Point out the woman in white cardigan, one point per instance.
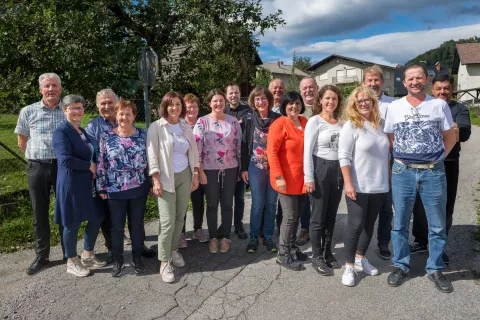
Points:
(173, 162)
(363, 152)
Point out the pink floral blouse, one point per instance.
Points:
(218, 142)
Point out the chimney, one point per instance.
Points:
(437, 66)
(278, 63)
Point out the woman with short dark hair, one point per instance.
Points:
(173, 162)
(285, 155)
(255, 168)
(218, 137)
(122, 178)
(74, 201)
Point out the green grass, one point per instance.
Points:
(16, 225)
(475, 116)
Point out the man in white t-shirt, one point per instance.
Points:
(373, 78)
(420, 129)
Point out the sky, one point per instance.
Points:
(388, 32)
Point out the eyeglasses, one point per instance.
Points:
(368, 101)
(260, 99)
(76, 109)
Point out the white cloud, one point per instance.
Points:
(390, 48)
(307, 19)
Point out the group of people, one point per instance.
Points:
(298, 153)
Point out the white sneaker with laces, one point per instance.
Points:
(200, 236)
(365, 266)
(92, 262)
(166, 271)
(177, 259)
(77, 269)
(348, 277)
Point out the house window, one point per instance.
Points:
(340, 74)
(388, 75)
(351, 73)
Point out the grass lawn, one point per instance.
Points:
(16, 231)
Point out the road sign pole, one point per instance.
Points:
(145, 87)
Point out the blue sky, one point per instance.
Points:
(382, 31)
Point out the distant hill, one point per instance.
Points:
(444, 53)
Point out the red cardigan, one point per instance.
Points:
(285, 154)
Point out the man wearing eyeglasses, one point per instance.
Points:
(373, 79)
(35, 127)
(240, 111)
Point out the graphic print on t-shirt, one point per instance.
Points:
(333, 145)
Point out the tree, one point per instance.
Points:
(301, 63)
(93, 44)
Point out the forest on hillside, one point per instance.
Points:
(444, 53)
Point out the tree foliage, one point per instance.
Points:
(93, 44)
(444, 53)
(301, 63)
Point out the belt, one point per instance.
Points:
(43, 160)
(429, 165)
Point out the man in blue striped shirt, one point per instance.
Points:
(35, 127)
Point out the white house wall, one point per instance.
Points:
(468, 77)
(333, 66)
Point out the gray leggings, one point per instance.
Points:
(220, 188)
(292, 205)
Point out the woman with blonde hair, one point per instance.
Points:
(363, 152)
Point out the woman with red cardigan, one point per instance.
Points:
(285, 154)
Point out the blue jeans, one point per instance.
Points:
(432, 187)
(264, 202)
(239, 202)
(70, 235)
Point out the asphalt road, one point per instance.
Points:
(239, 285)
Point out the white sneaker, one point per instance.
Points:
(348, 277)
(182, 242)
(77, 269)
(177, 259)
(365, 266)
(166, 271)
(200, 236)
(92, 262)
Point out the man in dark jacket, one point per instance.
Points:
(240, 111)
(442, 88)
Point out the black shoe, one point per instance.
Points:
(441, 282)
(240, 231)
(288, 261)
(117, 268)
(138, 265)
(418, 247)
(330, 260)
(271, 245)
(220, 233)
(147, 252)
(303, 238)
(321, 266)
(298, 254)
(252, 245)
(384, 252)
(396, 277)
(37, 265)
(446, 259)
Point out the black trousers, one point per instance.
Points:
(41, 177)
(135, 210)
(220, 188)
(101, 206)
(198, 207)
(420, 224)
(362, 214)
(324, 202)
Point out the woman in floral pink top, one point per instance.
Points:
(218, 138)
